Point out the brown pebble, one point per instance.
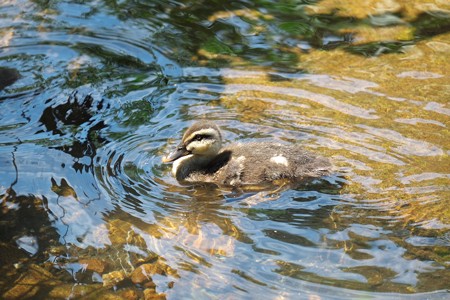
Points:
(129, 294)
(142, 274)
(151, 294)
(113, 278)
(94, 265)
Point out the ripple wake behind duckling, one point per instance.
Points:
(200, 157)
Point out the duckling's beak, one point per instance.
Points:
(174, 155)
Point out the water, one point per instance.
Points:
(106, 89)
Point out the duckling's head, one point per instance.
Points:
(200, 144)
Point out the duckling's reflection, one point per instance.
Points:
(210, 219)
(204, 221)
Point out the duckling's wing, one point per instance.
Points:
(310, 165)
(256, 163)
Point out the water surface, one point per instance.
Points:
(94, 93)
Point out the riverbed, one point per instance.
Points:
(95, 93)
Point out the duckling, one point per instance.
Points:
(200, 157)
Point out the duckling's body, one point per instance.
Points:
(200, 158)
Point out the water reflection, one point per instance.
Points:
(7, 77)
(102, 90)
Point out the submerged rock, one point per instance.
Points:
(113, 278)
(150, 294)
(142, 275)
(93, 264)
(71, 291)
(31, 283)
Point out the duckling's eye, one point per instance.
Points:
(200, 137)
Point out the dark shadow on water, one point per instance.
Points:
(330, 185)
(431, 23)
(79, 115)
(7, 77)
(24, 224)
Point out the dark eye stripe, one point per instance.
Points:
(199, 137)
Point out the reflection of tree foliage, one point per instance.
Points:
(136, 113)
(262, 33)
(430, 24)
(266, 32)
(75, 116)
(377, 48)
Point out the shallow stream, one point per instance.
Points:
(94, 93)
